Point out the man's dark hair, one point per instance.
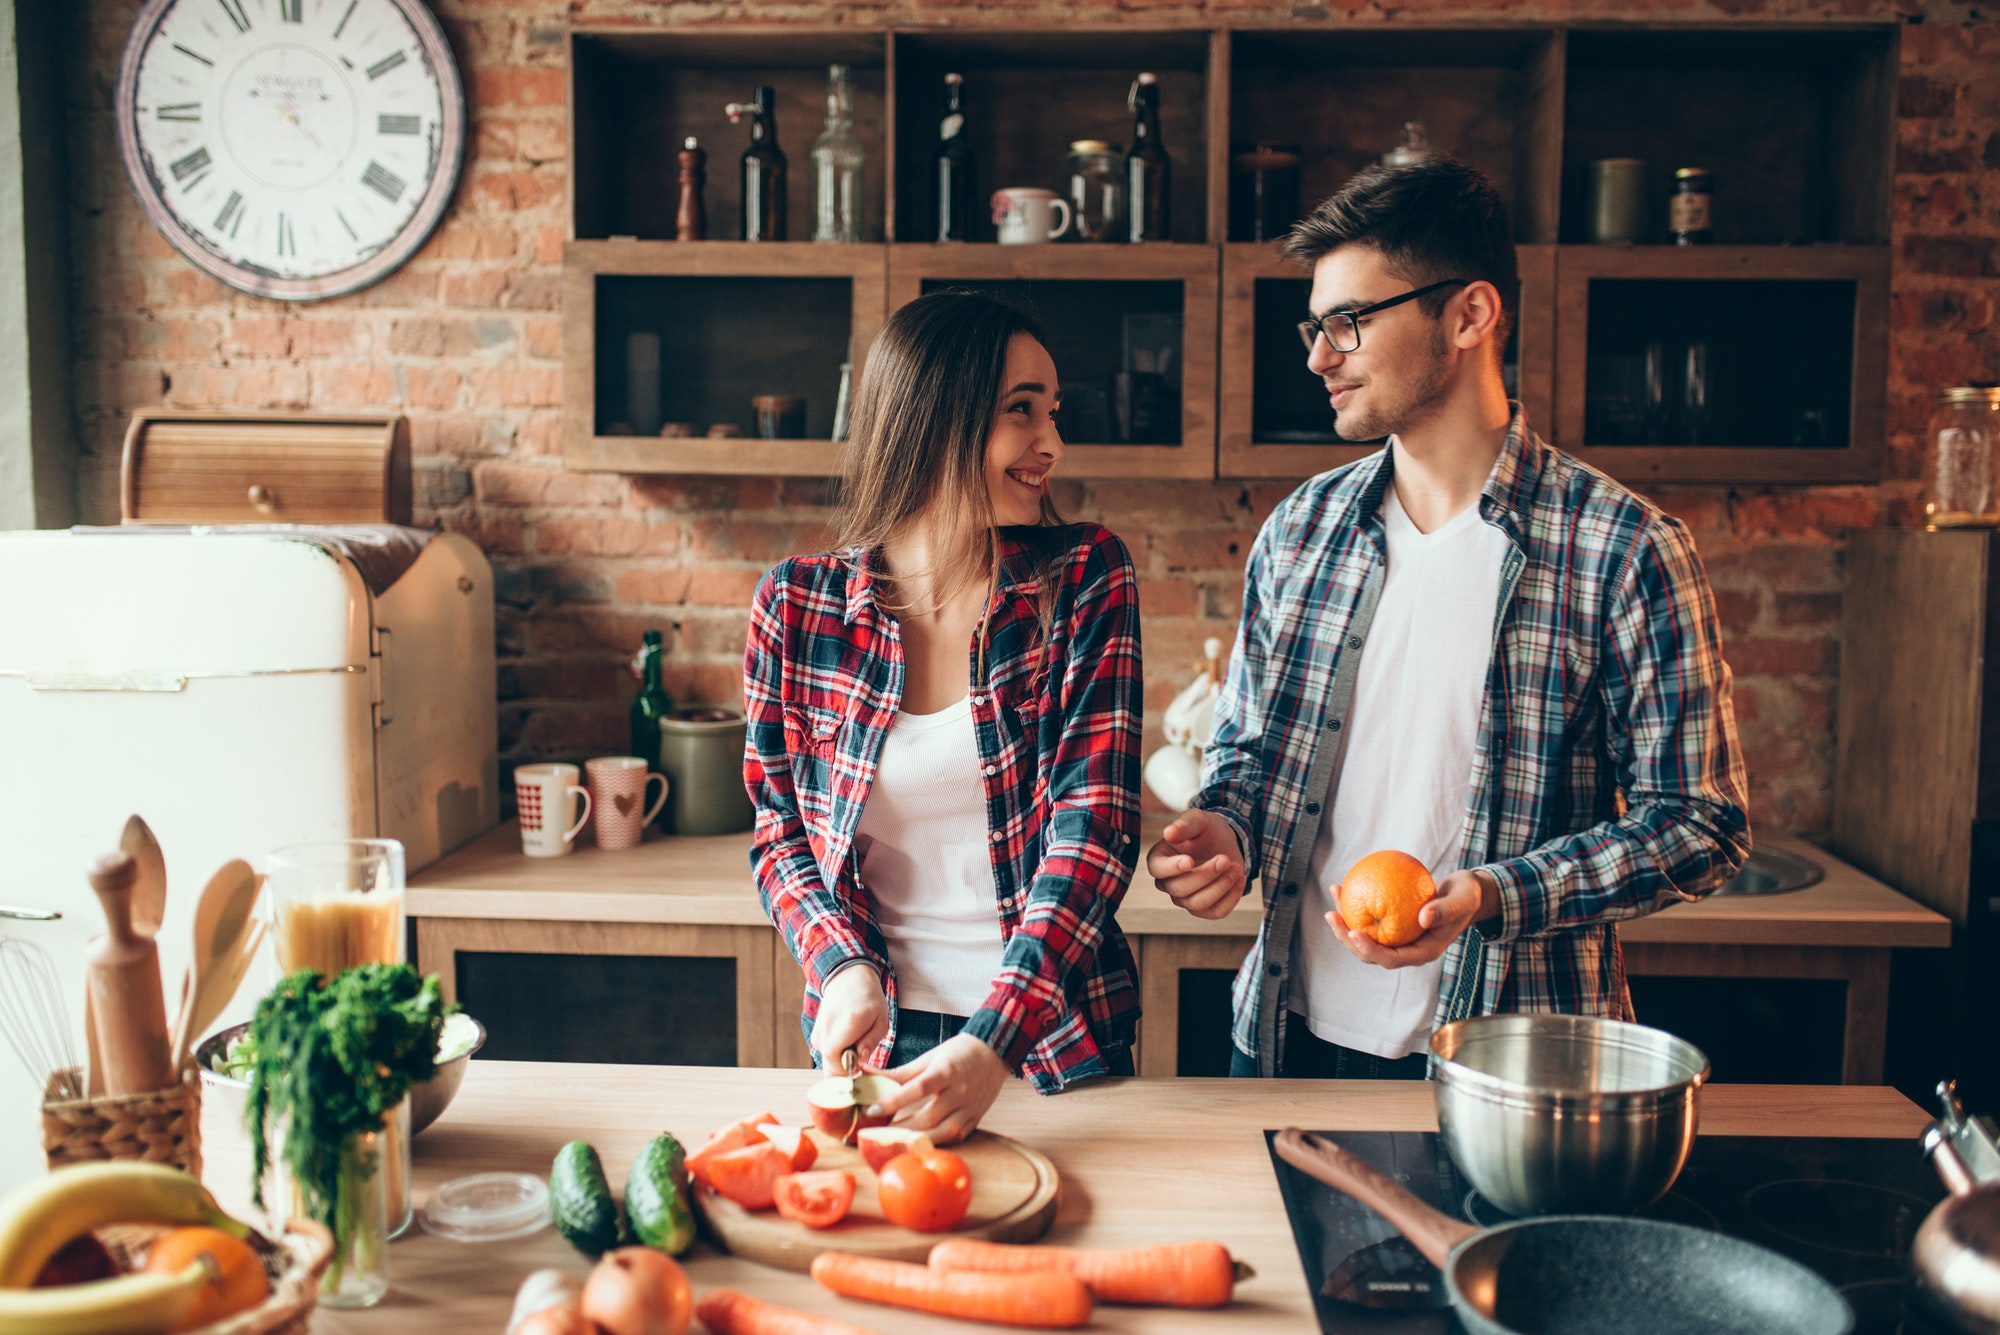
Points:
(1430, 220)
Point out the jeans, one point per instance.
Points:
(1310, 1057)
(917, 1032)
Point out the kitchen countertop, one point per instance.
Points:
(707, 880)
(1142, 1161)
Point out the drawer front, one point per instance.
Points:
(259, 471)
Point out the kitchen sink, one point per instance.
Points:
(1771, 872)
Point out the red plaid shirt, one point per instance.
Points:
(1057, 719)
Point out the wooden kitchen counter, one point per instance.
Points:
(1142, 1161)
(693, 896)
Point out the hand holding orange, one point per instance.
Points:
(1381, 896)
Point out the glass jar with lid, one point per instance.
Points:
(1097, 190)
(1962, 488)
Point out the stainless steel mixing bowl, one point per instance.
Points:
(1566, 1114)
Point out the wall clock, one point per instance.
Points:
(291, 148)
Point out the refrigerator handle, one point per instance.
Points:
(384, 710)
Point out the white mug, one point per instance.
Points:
(1026, 215)
(543, 793)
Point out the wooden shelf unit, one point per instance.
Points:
(1796, 119)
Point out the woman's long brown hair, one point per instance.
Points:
(917, 448)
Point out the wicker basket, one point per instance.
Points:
(294, 1264)
(161, 1127)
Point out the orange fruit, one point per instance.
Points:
(237, 1284)
(1382, 894)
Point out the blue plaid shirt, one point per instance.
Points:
(1606, 781)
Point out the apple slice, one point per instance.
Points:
(879, 1144)
(839, 1105)
(794, 1144)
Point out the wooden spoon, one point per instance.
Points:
(218, 986)
(219, 918)
(149, 891)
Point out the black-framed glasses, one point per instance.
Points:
(1343, 328)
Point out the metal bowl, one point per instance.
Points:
(427, 1101)
(1566, 1114)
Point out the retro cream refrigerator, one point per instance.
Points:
(241, 689)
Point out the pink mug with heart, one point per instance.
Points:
(617, 792)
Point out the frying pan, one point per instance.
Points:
(1589, 1274)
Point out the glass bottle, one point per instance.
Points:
(1690, 214)
(838, 165)
(1416, 146)
(953, 168)
(652, 703)
(1097, 190)
(1961, 490)
(1148, 169)
(763, 167)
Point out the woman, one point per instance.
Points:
(944, 736)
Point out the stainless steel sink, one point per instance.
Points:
(1771, 872)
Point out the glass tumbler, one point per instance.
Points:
(333, 906)
(1097, 190)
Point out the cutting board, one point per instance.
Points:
(1013, 1200)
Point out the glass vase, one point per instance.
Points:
(358, 1275)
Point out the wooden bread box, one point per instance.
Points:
(183, 467)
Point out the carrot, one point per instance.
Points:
(1043, 1298)
(1181, 1274)
(727, 1312)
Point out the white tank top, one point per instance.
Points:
(924, 846)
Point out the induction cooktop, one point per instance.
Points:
(1849, 1208)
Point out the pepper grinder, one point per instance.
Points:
(691, 218)
(122, 969)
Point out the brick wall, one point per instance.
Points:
(466, 341)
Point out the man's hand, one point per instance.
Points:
(853, 1013)
(949, 1088)
(1199, 863)
(1463, 898)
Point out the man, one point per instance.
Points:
(1469, 647)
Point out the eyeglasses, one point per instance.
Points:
(1343, 328)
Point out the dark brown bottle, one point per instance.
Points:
(954, 168)
(691, 218)
(1148, 169)
(763, 167)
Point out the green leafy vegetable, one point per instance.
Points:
(329, 1060)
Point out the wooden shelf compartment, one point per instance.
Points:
(1029, 94)
(634, 95)
(1270, 401)
(1797, 123)
(1797, 347)
(1082, 294)
(1491, 97)
(734, 321)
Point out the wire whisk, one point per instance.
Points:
(33, 1018)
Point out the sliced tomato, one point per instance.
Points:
(817, 1200)
(747, 1176)
(795, 1143)
(928, 1192)
(732, 1137)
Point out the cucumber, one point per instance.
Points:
(586, 1213)
(656, 1196)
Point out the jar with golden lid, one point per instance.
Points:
(1962, 485)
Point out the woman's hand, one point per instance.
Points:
(948, 1089)
(853, 1013)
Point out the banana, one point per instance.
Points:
(142, 1304)
(36, 1220)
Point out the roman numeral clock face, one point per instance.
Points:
(291, 148)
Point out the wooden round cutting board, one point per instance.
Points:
(1013, 1200)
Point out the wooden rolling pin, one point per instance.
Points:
(122, 971)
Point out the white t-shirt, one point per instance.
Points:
(923, 843)
(1403, 779)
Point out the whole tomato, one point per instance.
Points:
(927, 1191)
